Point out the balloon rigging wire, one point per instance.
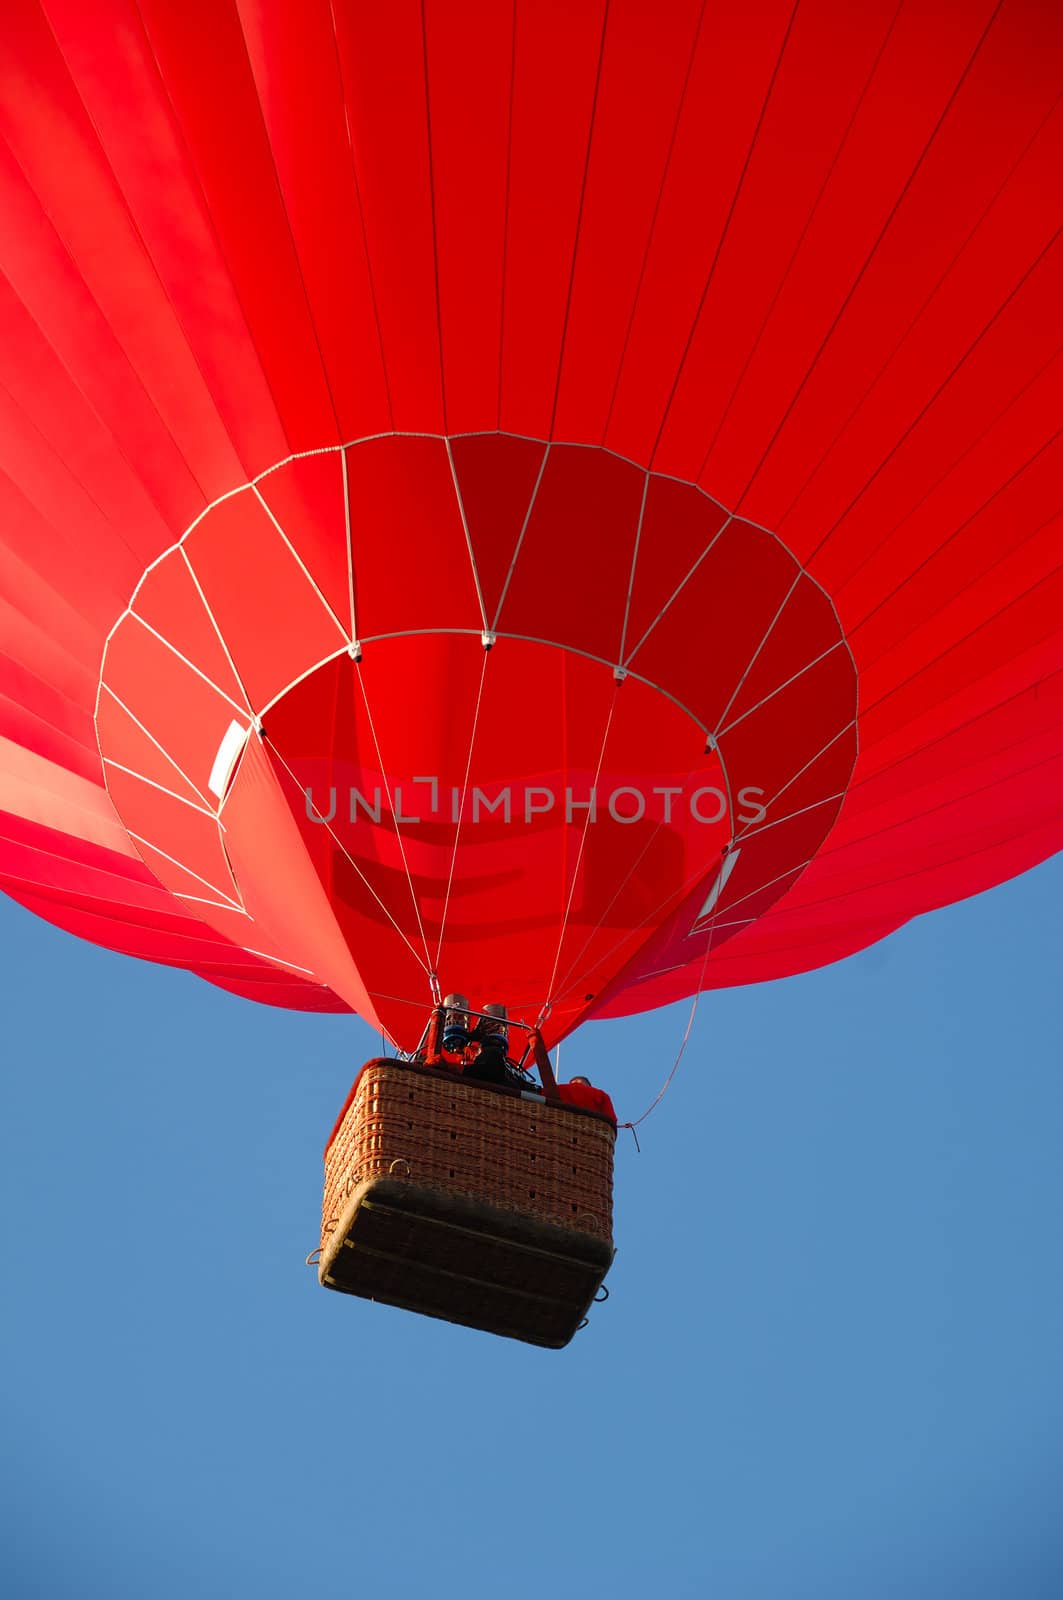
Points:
(684, 1041)
(337, 840)
(548, 1002)
(395, 820)
(461, 809)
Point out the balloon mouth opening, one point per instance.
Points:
(515, 826)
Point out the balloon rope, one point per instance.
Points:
(395, 821)
(337, 840)
(666, 1085)
(461, 810)
(548, 1002)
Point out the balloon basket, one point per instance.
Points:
(482, 1205)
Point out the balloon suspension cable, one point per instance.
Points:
(399, 839)
(684, 1041)
(343, 848)
(461, 812)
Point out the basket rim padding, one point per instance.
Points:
(448, 1075)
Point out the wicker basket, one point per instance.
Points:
(481, 1205)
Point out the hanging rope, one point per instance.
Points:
(343, 849)
(395, 821)
(461, 811)
(684, 1041)
(548, 1003)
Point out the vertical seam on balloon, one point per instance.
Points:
(736, 837)
(139, 839)
(361, 215)
(395, 820)
(579, 855)
(678, 895)
(468, 535)
(949, 470)
(920, 313)
(823, 654)
(721, 530)
(148, 258)
(724, 231)
(737, 690)
(914, 424)
(622, 360)
(50, 447)
(338, 841)
(870, 256)
(935, 866)
(565, 981)
(980, 577)
(988, 501)
(149, 735)
(520, 537)
(308, 575)
(962, 727)
(505, 229)
(831, 742)
(963, 799)
(435, 230)
(634, 563)
(214, 624)
(483, 433)
(836, 157)
(190, 664)
(296, 260)
(120, 766)
(685, 889)
(92, 409)
(568, 982)
(965, 639)
(208, 217)
(461, 809)
(350, 542)
(579, 215)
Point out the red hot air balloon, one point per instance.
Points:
(555, 502)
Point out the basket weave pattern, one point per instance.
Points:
(541, 1161)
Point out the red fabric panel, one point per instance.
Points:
(286, 904)
(805, 260)
(250, 578)
(307, 496)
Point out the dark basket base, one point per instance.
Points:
(465, 1261)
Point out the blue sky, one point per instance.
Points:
(830, 1366)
